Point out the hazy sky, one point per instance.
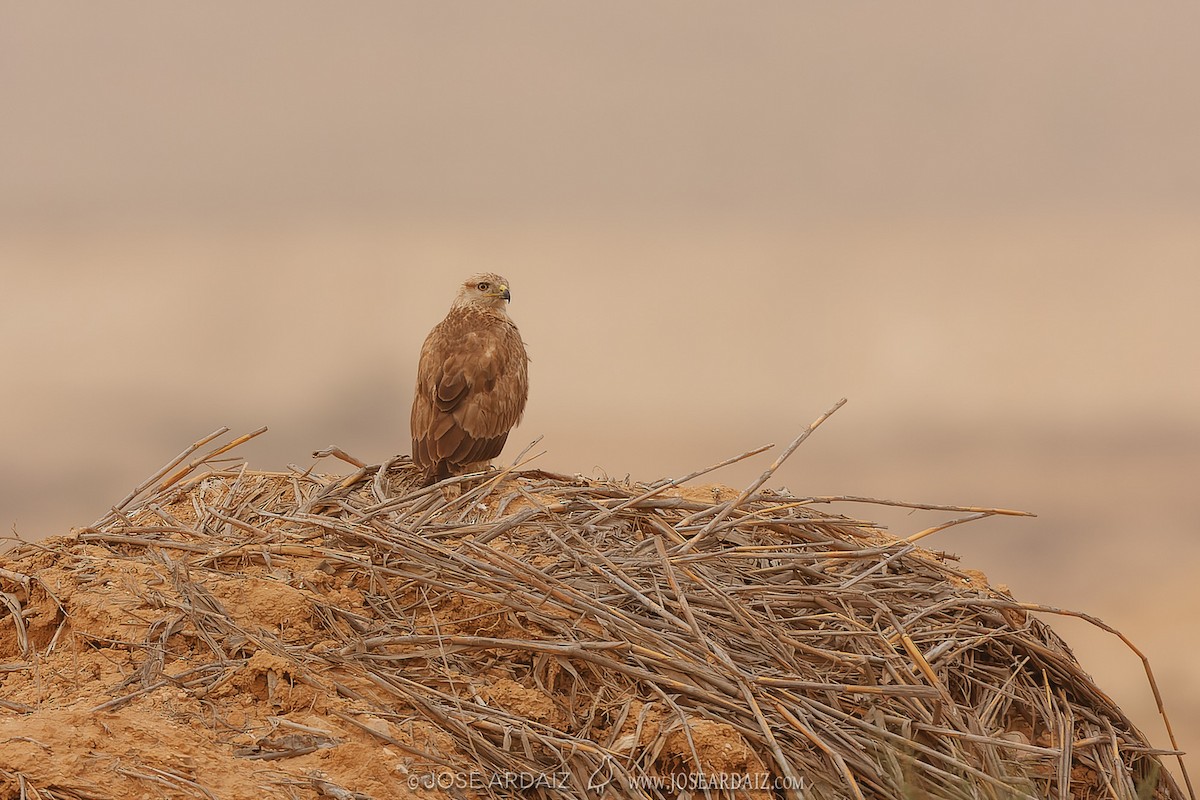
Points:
(777, 110)
(981, 215)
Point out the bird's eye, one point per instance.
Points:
(483, 287)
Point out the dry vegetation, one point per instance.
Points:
(231, 633)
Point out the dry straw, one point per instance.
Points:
(675, 635)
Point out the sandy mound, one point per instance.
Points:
(238, 634)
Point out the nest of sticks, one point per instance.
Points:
(571, 637)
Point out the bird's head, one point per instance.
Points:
(486, 290)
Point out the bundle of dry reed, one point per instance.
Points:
(581, 638)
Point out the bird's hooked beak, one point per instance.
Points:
(505, 293)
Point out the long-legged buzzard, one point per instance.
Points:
(472, 382)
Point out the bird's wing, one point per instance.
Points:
(472, 382)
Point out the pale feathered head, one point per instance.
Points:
(486, 290)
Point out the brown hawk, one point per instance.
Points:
(472, 382)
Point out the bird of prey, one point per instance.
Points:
(472, 382)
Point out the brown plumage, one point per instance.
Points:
(472, 382)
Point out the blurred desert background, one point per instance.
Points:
(977, 222)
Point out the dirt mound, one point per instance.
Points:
(238, 634)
